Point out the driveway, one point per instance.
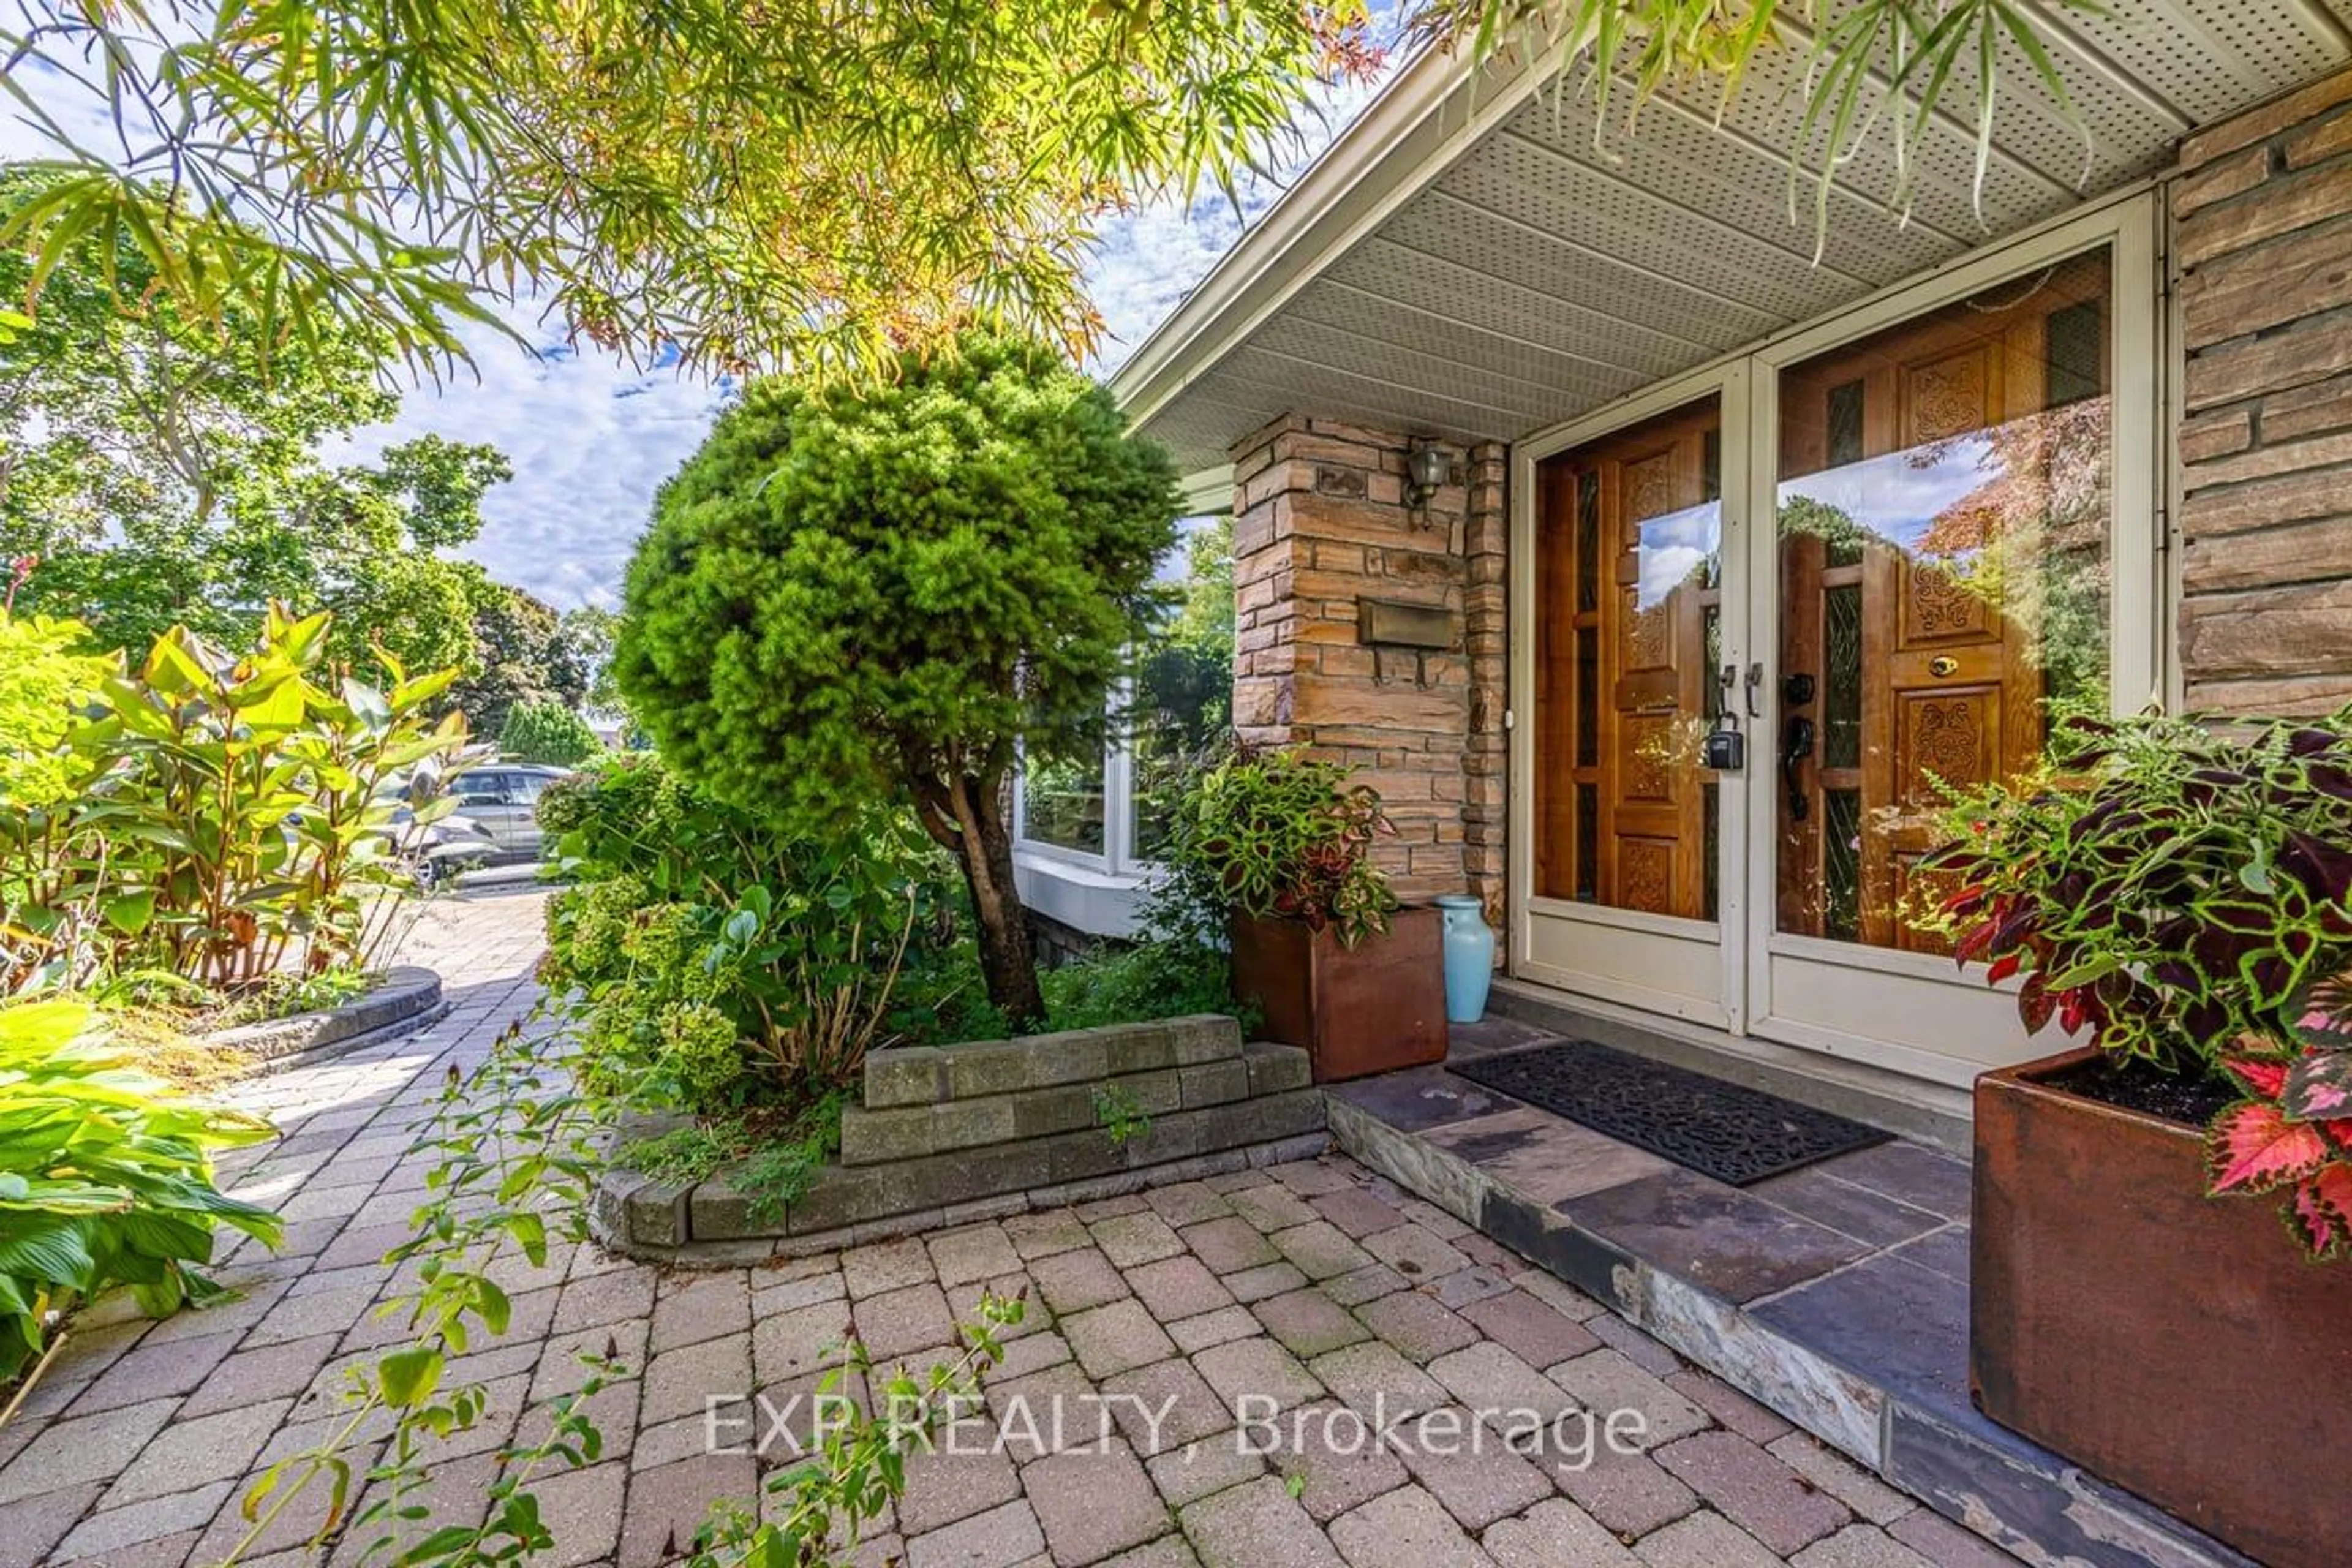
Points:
(1299, 1367)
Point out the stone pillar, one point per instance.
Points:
(1370, 631)
(2263, 239)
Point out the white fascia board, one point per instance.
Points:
(1436, 110)
(1208, 492)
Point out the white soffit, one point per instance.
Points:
(1483, 270)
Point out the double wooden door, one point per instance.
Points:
(1940, 520)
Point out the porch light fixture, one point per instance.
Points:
(1428, 469)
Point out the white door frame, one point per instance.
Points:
(1663, 963)
(1912, 1013)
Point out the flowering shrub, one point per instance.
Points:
(713, 961)
(2185, 897)
(1276, 834)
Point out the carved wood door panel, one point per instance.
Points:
(1629, 582)
(1912, 544)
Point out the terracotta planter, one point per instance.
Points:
(1373, 1008)
(2175, 1344)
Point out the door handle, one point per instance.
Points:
(1796, 745)
(1756, 690)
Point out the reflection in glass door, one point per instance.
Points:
(1943, 517)
(1629, 596)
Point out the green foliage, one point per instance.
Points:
(1119, 1114)
(745, 187)
(105, 1177)
(515, 1151)
(716, 962)
(45, 674)
(224, 814)
(2184, 893)
(522, 653)
(1166, 977)
(547, 733)
(886, 594)
(770, 1160)
(1278, 835)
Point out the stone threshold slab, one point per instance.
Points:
(1837, 1295)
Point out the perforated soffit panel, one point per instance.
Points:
(1540, 275)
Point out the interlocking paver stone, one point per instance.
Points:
(1178, 1288)
(975, 1252)
(1257, 1525)
(1530, 1330)
(191, 1454)
(1703, 1541)
(1257, 1369)
(1420, 1326)
(1314, 1288)
(1335, 1461)
(1319, 1249)
(1093, 1504)
(1309, 1323)
(1555, 1535)
(1228, 1244)
(998, 1538)
(1760, 1494)
(1112, 1339)
(1132, 1240)
(1405, 1529)
(1073, 1281)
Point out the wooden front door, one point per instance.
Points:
(1630, 592)
(1937, 531)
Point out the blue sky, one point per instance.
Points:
(592, 436)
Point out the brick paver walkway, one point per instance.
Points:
(1315, 1289)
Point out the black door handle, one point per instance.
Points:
(1796, 745)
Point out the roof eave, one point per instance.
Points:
(1433, 111)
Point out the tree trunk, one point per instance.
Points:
(1008, 959)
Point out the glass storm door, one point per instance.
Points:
(1628, 839)
(1943, 561)
(1886, 550)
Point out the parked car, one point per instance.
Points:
(501, 801)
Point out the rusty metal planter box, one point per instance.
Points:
(2177, 1345)
(1372, 1008)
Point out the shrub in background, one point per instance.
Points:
(890, 589)
(105, 1177)
(547, 733)
(216, 815)
(719, 962)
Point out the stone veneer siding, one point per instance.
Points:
(2262, 242)
(1320, 525)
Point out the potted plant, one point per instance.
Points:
(1279, 846)
(2181, 896)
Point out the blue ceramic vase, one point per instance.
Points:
(1469, 958)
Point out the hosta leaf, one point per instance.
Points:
(2318, 1087)
(2252, 1147)
(2319, 1211)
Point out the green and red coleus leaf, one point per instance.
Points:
(2319, 1211)
(2318, 1087)
(2321, 1015)
(2253, 1147)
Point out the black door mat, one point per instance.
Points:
(1725, 1130)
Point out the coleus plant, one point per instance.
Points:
(1276, 834)
(2183, 893)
